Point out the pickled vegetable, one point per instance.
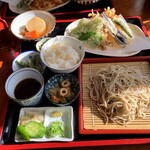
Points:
(22, 132)
(56, 114)
(37, 24)
(35, 129)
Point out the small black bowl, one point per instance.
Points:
(55, 83)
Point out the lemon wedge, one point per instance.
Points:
(37, 24)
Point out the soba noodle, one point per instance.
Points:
(120, 93)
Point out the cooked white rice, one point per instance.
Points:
(61, 56)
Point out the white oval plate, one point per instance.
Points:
(17, 10)
(111, 51)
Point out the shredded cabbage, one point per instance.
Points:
(55, 128)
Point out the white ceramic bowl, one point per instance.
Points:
(70, 43)
(27, 56)
(19, 22)
(16, 77)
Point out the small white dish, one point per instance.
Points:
(66, 119)
(40, 43)
(26, 56)
(110, 51)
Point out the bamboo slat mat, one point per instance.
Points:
(91, 118)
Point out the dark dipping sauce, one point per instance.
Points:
(27, 88)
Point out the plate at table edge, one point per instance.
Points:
(17, 10)
(114, 52)
(45, 110)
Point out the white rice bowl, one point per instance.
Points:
(62, 54)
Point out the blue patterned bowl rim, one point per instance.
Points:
(56, 79)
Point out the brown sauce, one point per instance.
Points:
(27, 88)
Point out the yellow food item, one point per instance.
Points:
(56, 114)
(37, 24)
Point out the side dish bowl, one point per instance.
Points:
(19, 23)
(62, 89)
(62, 54)
(25, 86)
(29, 59)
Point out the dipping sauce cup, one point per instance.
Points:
(25, 86)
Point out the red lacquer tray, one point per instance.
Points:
(9, 118)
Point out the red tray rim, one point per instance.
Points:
(107, 131)
(74, 143)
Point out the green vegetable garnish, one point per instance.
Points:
(22, 132)
(35, 129)
(55, 128)
(86, 36)
(32, 62)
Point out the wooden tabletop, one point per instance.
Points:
(7, 50)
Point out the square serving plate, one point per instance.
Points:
(66, 119)
(89, 120)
